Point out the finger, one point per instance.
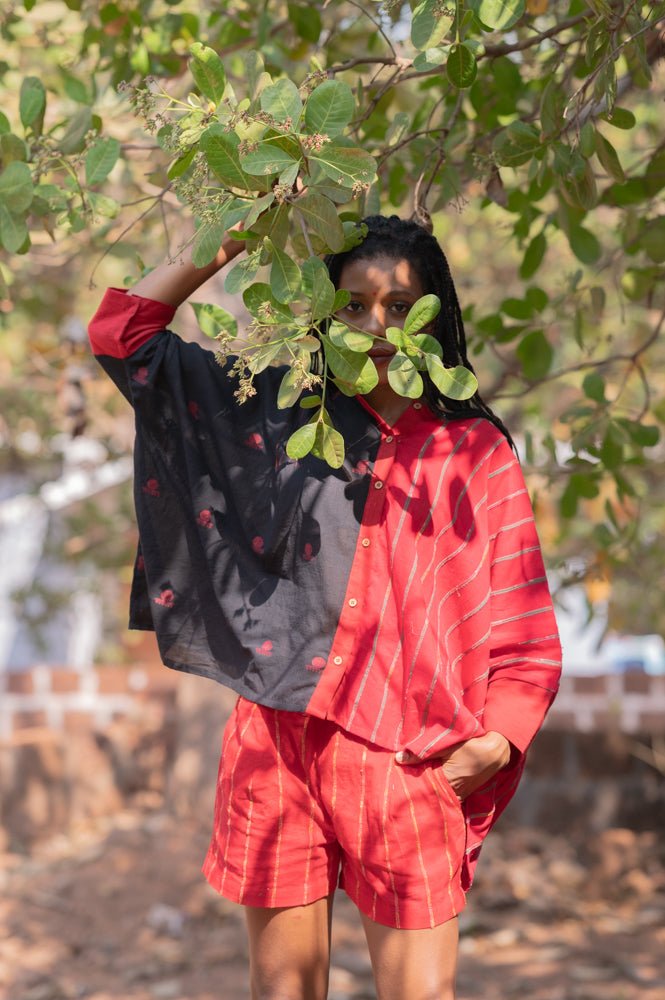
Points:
(406, 757)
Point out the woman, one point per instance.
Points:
(387, 625)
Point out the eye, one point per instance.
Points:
(353, 306)
(401, 308)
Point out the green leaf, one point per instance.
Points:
(429, 59)
(330, 108)
(207, 242)
(100, 160)
(289, 390)
(302, 441)
(262, 304)
(318, 287)
(652, 240)
(461, 67)
(430, 345)
(182, 164)
(290, 174)
(13, 230)
(346, 165)
(611, 449)
(455, 383)
(620, 118)
(329, 445)
(421, 313)
(607, 155)
(208, 71)
(584, 245)
(309, 402)
(32, 103)
(12, 149)
(593, 387)
(285, 277)
(395, 336)
(404, 377)
(266, 160)
(517, 144)
(498, 15)
(428, 25)
(535, 354)
(321, 217)
(78, 127)
(16, 188)
(221, 152)
(259, 206)
(342, 299)
(353, 372)
(212, 319)
(533, 256)
(353, 340)
(263, 357)
(243, 274)
(4, 124)
(398, 128)
(282, 100)
(306, 20)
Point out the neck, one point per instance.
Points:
(387, 403)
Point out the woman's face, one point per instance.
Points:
(382, 292)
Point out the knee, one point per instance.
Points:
(289, 985)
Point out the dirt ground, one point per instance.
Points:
(120, 911)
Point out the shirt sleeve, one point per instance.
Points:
(525, 652)
(124, 322)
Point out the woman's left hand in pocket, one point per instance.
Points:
(469, 765)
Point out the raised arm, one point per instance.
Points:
(171, 282)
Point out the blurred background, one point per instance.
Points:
(108, 759)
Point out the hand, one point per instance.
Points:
(469, 765)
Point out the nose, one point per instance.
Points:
(375, 321)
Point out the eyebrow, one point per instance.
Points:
(393, 291)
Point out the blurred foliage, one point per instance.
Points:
(528, 131)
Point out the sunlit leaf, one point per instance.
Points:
(16, 188)
(285, 277)
(289, 390)
(353, 340)
(100, 160)
(329, 445)
(498, 15)
(421, 313)
(461, 66)
(329, 108)
(354, 371)
(268, 158)
(282, 101)
(208, 71)
(455, 383)
(320, 215)
(32, 102)
(346, 165)
(404, 377)
(301, 441)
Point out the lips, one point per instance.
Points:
(381, 352)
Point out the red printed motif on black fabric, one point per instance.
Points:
(141, 376)
(258, 545)
(205, 519)
(316, 663)
(166, 598)
(194, 409)
(151, 487)
(255, 441)
(265, 649)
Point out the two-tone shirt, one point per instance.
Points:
(402, 596)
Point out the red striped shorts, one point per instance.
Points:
(303, 806)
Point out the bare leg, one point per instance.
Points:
(418, 964)
(289, 951)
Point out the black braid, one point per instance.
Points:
(398, 239)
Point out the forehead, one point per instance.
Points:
(381, 273)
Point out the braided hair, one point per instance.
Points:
(398, 239)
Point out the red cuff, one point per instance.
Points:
(516, 710)
(124, 322)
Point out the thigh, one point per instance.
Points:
(289, 951)
(403, 835)
(418, 964)
(271, 846)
